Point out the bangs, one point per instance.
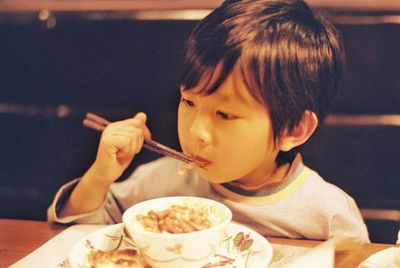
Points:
(254, 76)
(206, 73)
(210, 54)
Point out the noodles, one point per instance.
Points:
(178, 219)
(186, 167)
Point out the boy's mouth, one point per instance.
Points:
(202, 161)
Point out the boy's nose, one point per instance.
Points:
(200, 130)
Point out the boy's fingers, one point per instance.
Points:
(139, 143)
(127, 147)
(131, 140)
(147, 133)
(139, 119)
(134, 128)
(142, 116)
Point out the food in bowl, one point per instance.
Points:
(193, 233)
(178, 218)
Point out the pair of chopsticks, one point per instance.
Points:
(99, 123)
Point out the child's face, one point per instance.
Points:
(230, 129)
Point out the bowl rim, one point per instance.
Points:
(178, 235)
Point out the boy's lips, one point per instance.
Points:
(204, 161)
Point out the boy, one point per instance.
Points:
(257, 78)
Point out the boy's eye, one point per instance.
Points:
(187, 102)
(225, 116)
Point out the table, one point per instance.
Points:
(18, 238)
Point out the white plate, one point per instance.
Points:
(255, 250)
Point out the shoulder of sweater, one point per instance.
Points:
(329, 191)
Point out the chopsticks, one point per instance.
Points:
(99, 123)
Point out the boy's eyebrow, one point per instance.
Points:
(238, 93)
(237, 88)
(226, 96)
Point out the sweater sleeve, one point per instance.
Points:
(138, 186)
(108, 213)
(154, 179)
(349, 222)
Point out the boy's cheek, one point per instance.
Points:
(181, 124)
(184, 125)
(182, 134)
(183, 138)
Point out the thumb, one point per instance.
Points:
(141, 116)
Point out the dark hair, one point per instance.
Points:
(290, 59)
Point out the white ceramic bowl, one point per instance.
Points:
(165, 250)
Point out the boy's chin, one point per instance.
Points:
(212, 178)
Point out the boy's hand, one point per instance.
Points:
(119, 143)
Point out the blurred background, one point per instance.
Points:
(60, 59)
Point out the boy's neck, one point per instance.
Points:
(278, 175)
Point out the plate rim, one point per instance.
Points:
(115, 227)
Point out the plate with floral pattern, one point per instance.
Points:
(240, 247)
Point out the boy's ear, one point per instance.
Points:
(301, 133)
